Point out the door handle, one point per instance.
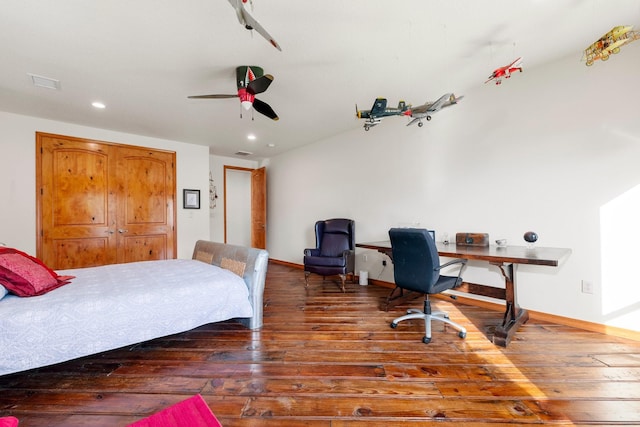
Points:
(110, 231)
(122, 230)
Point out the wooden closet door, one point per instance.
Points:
(146, 202)
(102, 203)
(77, 210)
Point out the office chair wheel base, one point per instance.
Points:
(393, 325)
(426, 340)
(462, 334)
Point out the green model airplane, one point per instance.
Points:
(380, 111)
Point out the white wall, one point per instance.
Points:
(553, 150)
(17, 178)
(238, 207)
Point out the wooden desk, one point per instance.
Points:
(506, 259)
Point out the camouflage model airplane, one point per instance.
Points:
(426, 110)
(250, 23)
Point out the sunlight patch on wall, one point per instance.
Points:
(620, 252)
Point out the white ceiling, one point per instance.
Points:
(142, 58)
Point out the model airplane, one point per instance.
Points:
(250, 23)
(380, 111)
(250, 81)
(426, 110)
(505, 71)
(610, 43)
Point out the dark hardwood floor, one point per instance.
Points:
(324, 358)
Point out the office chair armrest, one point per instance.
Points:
(312, 252)
(452, 262)
(462, 262)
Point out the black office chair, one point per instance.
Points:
(416, 267)
(334, 253)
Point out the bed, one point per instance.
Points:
(112, 306)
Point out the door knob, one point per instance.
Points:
(122, 230)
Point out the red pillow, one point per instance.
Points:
(192, 412)
(27, 276)
(8, 422)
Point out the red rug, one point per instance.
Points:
(11, 422)
(192, 412)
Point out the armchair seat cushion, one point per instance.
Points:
(325, 261)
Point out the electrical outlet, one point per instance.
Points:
(364, 257)
(587, 287)
(384, 262)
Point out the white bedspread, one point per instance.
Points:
(116, 305)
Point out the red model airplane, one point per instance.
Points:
(505, 71)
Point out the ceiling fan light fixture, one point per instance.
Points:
(45, 82)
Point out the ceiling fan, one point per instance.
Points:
(250, 81)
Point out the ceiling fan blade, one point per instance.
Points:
(212, 96)
(264, 108)
(260, 84)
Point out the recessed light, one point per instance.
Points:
(271, 145)
(99, 105)
(251, 137)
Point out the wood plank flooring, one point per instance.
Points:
(324, 358)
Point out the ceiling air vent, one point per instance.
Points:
(243, 153)
(46, 82)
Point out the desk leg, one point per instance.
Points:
(514, 316)
(398, 296)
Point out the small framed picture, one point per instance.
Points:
(191, 199)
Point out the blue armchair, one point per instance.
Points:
(334, 253)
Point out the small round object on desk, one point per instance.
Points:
(530, 236)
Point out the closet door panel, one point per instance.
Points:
(76, 213)
(146, 192)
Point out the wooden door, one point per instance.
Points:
(101, 203)
(145, 204)
(76, 213)
(259, 208)
(258, 225)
